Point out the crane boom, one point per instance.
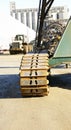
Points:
(44, 6)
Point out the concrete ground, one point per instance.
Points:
(52, 112)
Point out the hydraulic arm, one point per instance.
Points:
(44, 6)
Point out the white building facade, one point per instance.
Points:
(29, 16)
(26, 16)
(60, 12)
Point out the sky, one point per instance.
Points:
(4, 5)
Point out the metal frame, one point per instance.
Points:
(63, 51)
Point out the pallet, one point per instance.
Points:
(33, 75)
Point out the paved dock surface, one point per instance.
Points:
(52, 112)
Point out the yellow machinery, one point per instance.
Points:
(19, 45)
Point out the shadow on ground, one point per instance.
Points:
(61, 80)
(9, 86)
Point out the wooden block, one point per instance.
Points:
(33, 82)
(33, 73)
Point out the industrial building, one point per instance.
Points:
(29, 16)
(26, 16)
